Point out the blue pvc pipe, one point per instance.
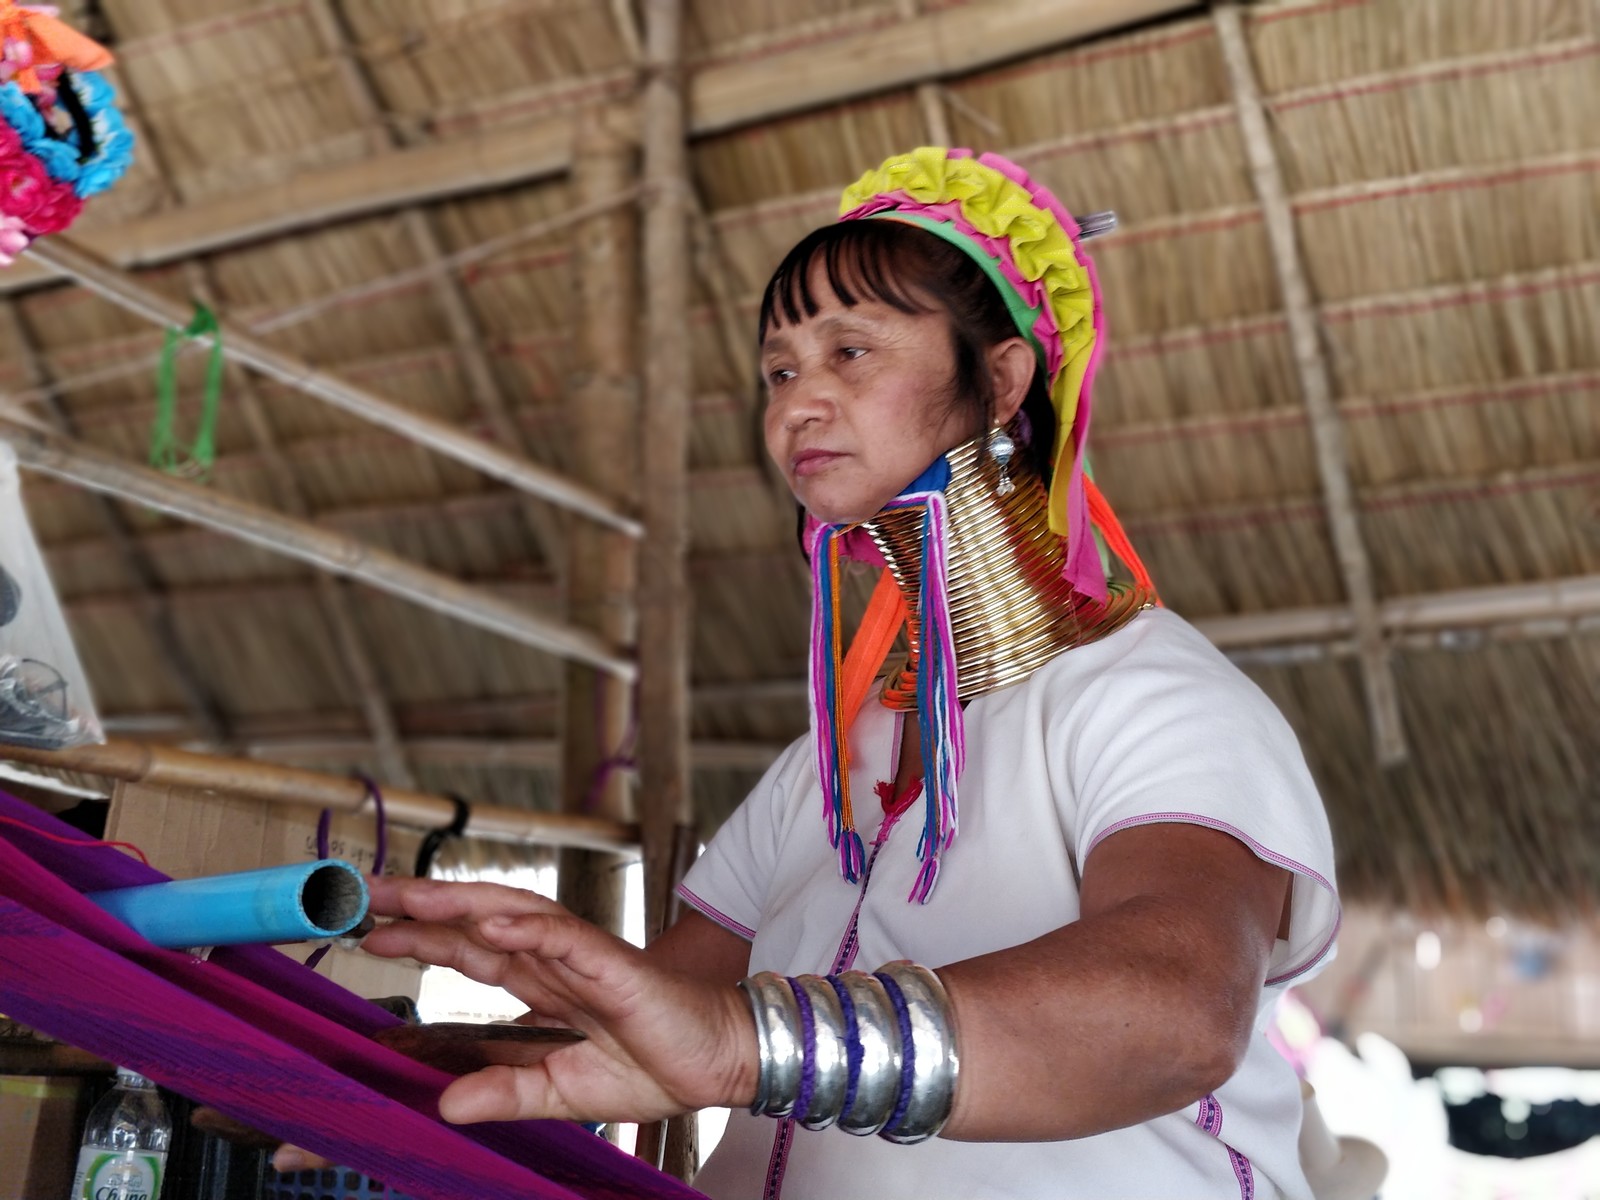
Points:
(305, 901)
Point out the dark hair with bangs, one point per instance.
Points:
(914, 271)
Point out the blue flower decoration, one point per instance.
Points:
(113, 151)
(20, 114)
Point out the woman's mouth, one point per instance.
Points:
(809, 462)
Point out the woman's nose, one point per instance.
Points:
(807, 399)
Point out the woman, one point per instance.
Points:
(1140, 862)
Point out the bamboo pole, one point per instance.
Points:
(603, 395)
(521, 754)
(666, 801)
(138, 762)
(943, 44)
(126, 292)
(664, 593)
(321, 548)
(1316, 387)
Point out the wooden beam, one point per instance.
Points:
(126, 292)
(139, 762)
(947, 43)
(322, 548)
(506, 753)
(1565, 599)
(601, 571)
(1316, 387)
(666, 816)
(664, 593)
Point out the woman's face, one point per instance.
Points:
(858, 402)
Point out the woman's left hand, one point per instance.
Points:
(657, 1042)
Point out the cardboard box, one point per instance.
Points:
(40, 1127)
(187, 833)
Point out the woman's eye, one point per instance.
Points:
(853, 351)
(779, 375)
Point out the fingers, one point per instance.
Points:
(438, 900)
(558, 937)
(289, 1159)
(441, 945)
(499, 1094)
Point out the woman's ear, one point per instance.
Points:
(1011, 366)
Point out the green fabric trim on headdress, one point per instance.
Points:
(1023, 315)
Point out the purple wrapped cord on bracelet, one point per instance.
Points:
(908, 1051)
(852, 1041)
(808, 1053)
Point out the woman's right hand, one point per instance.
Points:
(657, 1042)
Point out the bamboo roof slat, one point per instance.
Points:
(1311, 45)
(714, 31)
(1435, 238)
(1363, 135)
(1505, 735)
(1080, 92)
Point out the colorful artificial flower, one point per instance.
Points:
(46, 167)
(62, 154)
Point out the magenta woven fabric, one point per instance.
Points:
(258, 1036)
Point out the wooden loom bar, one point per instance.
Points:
(309, 543)
(952, 41)
(138, 762)
(1316, 387)
(126, 292)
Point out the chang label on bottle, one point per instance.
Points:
(118, 1174)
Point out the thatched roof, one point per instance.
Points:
(1441, 160)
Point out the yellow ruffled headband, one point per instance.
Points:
(1029, 245)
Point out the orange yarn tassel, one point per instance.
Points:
(884, 618)
(886, 613)
(1111, 529)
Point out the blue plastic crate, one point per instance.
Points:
(327, 1184)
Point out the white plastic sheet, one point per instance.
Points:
(44, 695)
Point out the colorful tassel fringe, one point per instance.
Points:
(939, 715)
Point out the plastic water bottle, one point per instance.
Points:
(124, 1154)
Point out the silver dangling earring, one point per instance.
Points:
(1001, 449)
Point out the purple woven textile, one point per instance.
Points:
(266, 1041)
